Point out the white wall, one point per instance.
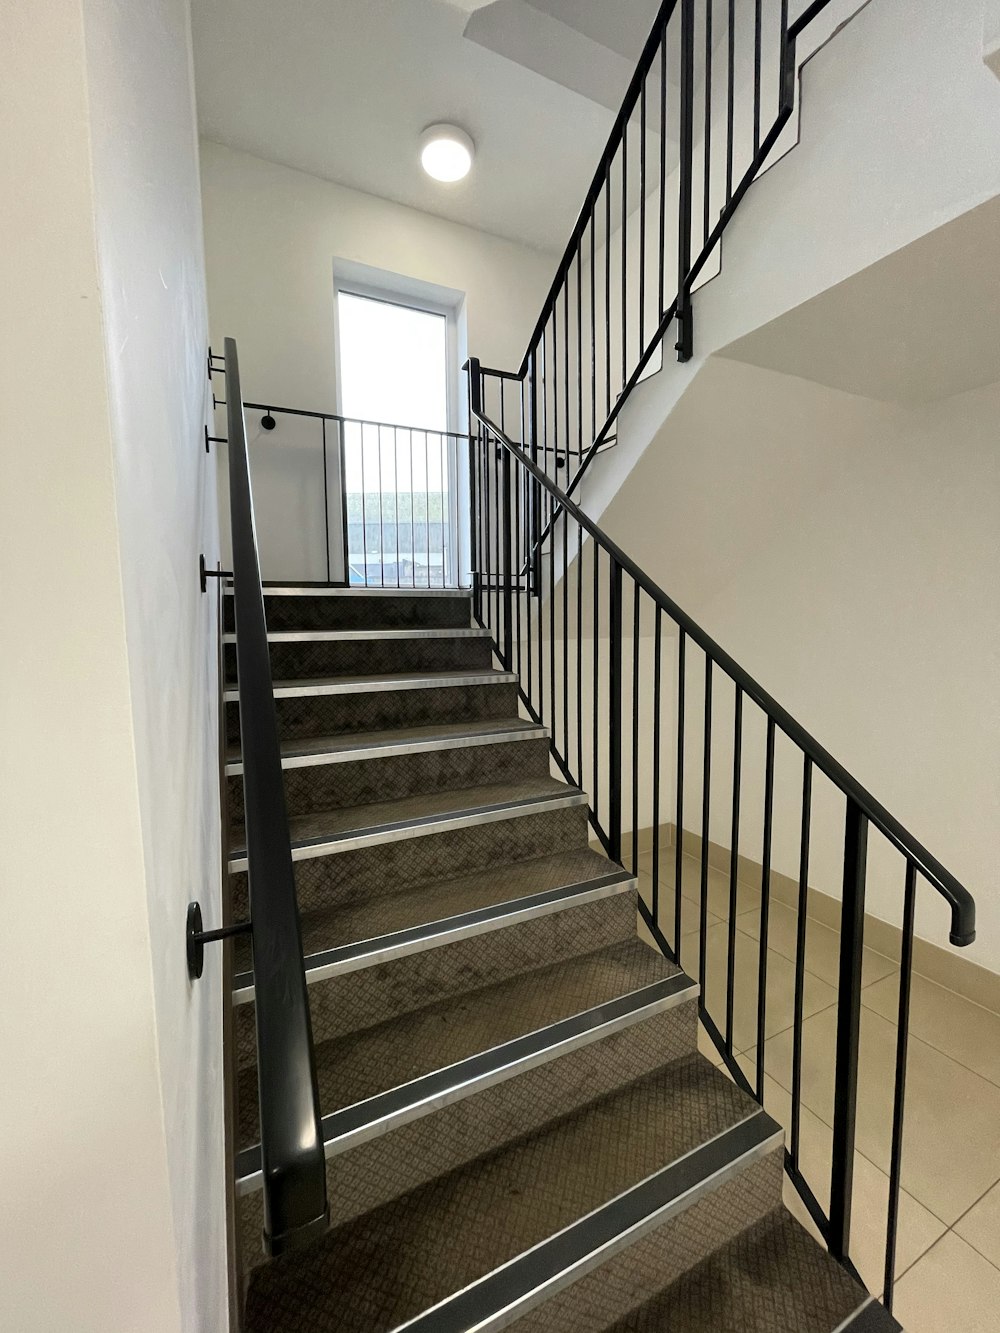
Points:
(271, 237)
(150, 251)
(844, 552)
(109, 1115)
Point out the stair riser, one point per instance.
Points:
(366, 657)
(372, 995)
(371, 872)
(327, 715)
(337, 786)
(385, 1167)
(594, 1303)
(360, 611)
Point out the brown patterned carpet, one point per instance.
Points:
(443, 1190)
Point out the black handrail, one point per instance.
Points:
(292, 1154)
(963, 909)
(642, 319)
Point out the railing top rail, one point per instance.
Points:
(963, 910)
(354, 421)
(292, 1152)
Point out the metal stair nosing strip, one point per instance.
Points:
(502, 1296)
(417, 680)
(423, 826)
(368, 635)
(346, 752)
(354, 1125)
(870, 1317)
(355, 590)
(432, 934)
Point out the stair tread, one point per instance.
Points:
(355, 820)
(403, 1257)
(399, 679)
(362, 1064)
(771, 1278)
(344, 924)
(346, 742)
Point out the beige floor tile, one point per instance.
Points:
(951, 1149)
(952, 1289)
(822, 945)
(689, 920)
(780, 985)
(946, 1021)
(981, 1226)
(918, 1228)
(747, 900)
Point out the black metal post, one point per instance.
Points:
(848, 1028)
(615, 715)
(685, 344)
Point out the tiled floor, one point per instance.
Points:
(948, 1255)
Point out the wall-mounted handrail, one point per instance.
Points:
(292, 1154)
(960, 901)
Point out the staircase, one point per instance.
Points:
(518, 1126)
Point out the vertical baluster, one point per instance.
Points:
(326, 504)
(507, 564)
(707, 194)
(657, 726)
(730, 99)
(579, 654)
(381, 524)
(765, 905)
(579, 352)
(364, 500)
(800, 957)
(734, 867)
(427, 505)
(607, 298)
(661, 259)
(635, 728)
(679, 825)
(624, 231)
(552, 624)
(596, 700)
(683, 346)
(566, 378)
(642, 217)
(413, 533)
(593, 330)
(518, 554)
(756, 75)
(344, 510)
(615, 710)
(706, 798)
(565, 635)
(395, 496)
(852, 927)
(553, 471)
(899, 1097)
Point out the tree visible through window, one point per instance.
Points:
(394, 384)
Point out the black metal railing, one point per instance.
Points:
(712, 91)
(292, 1155)
(606, 660)
(374, 504)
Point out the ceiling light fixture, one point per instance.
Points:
(446, 152)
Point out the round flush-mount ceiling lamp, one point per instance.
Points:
(446, 152)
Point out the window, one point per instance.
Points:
(394, 371)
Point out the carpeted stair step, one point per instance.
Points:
(345, 1000)
(544, 1209)
(393, 777)
(304, 607)
(333, 832)
(355, 875)
(389, 925)
(432, 1090)
(300, 654)
(771, 1278)
(365, 703)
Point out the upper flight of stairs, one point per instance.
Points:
(519, 1129)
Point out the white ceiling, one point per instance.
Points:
(342, 89)
(920, 324)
